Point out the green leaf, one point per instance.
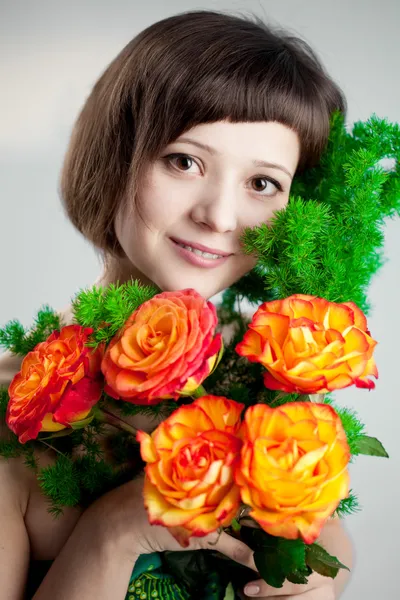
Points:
(83, 423)
(276, 558)
(299, 576)
(370, 446)
(189, 568)
(229, 592)
(320, 561)
(269, 568)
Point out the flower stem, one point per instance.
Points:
(199, 392)
(58, 434)
(107, 417)
(51, 447)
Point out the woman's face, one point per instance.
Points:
(198, 196)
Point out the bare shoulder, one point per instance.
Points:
(27, 530)
(20, 495)
(14, 538)
(14, 487)
(25, 522)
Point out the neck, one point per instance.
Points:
(121, 270)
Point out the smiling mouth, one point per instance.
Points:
(201, 250)
(208, 255)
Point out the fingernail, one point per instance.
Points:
(251, 590)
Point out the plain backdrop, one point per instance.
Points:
(51, 54)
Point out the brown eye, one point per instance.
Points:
(260, 184)
(182, 162)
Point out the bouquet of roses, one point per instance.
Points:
(250, 439)
(275, 467)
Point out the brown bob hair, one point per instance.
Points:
(192, 68)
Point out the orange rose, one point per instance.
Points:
(309, 345)
(57, 385)
(293, 471)
(166, 348)
(189, 485)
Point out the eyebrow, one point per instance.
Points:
(214, 152)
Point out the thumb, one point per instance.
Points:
(230, 547)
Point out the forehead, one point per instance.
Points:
(253, 141)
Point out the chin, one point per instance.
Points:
(205, 288)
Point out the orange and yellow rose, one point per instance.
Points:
(166, 349)
(59, 382)
(310, 345)
(293, 470)
(189, 484)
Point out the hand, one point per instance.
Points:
(124, 522)
(337, 542)
(318, 588)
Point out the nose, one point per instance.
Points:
(217, 207)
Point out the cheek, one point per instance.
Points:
(149, 214)
(163, 206)
(263, 211)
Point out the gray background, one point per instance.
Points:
(52, 52)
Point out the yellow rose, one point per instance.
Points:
(189, 485)
(293, 470)
(309, 345)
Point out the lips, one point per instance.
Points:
(192, 254)
(201, 247)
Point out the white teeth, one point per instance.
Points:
(199, 252)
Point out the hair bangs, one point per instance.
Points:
(196, 75)
(192, 68)
(253, 95)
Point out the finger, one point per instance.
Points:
(232, 548)
(260, 589)
(324, 592)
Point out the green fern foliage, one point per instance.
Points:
(107, 309)
(352, 425)
(348, 506)
(60, 483)
(4, 398)
(329, 240)
(14, 337)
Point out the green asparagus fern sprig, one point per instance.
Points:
(329, 240)
(107, 309)
(14, 337)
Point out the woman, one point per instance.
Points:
(194, 132)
